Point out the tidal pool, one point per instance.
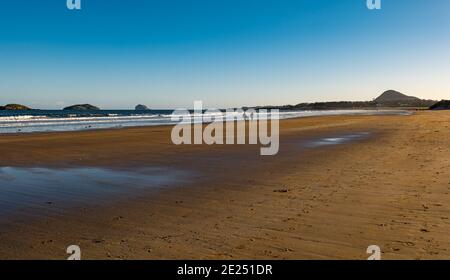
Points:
(336, 139)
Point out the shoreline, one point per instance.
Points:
(153, 120)
(310, 203)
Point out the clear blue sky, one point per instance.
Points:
(168, 53)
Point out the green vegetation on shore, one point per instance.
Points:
(441, 105)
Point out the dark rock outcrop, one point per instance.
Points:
(141, 107)
(441, 105)
(82, 107)
(14, 107)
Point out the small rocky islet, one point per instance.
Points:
(16, 107)
(77, 107)
(82, 107)
(141, 107)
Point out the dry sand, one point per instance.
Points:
(331, 202)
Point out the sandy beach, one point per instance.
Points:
(389, 188)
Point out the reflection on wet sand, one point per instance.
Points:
(336, 139)
(39, 187)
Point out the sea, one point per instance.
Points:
(60, 120)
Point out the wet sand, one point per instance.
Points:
(330, 201)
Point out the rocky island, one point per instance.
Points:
(141, 107)
(81, 107)
(14, 107)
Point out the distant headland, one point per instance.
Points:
(388, 99)
(441, 105)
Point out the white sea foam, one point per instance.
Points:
(20, 118)
(71, 122)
